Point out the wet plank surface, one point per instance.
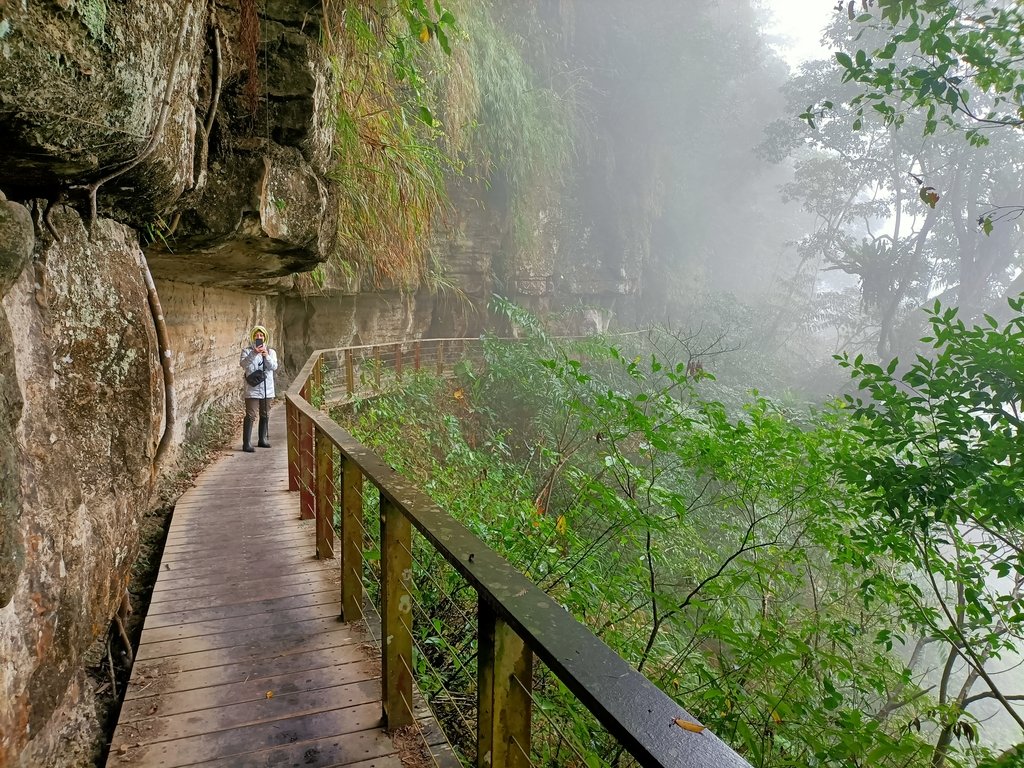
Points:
(243, 660)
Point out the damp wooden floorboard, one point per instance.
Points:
(243, 660)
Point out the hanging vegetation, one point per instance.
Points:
(389, 161)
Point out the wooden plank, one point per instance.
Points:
(281, 563)
(326, 494)
(350, 730)
(505, 674)
(351, 540)
(177, 554)
(254, 608)
(233, 705)
(270, 593)
(254, 640)
(266, 710)
(234, 623)
(396, 614)
(218, 656)
(213, 583)
(236, 587)
(164, 675)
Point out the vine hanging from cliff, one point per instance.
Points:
(519, 104)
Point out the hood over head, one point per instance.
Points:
(260, 329)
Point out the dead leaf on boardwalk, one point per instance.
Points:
(270, 694)
(521, 592)
(686, 725)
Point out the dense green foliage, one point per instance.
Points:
(827, 588)
(964, 63)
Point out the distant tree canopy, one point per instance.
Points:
(902, 201)
(961, 62)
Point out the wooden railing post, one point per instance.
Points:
(317, 379)
(307, 502)
(376, 367)
(396, 614)
(504, 674)
(350, 373)
(351, 540)
(440, 357)
(292, 420)
(326, 494)
(416, 355)
(398, 360)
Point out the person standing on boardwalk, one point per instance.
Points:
(259, 361)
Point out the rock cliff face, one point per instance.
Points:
(81, 356)
(139, 106)
(88, 90)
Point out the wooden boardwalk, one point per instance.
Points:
(243, 661)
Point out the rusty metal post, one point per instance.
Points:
(351, 540)
(396, 614)
(326, 494)
(504, 675)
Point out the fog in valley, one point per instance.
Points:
(797, 242)
(787, 225)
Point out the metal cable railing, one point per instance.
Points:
(523, 638)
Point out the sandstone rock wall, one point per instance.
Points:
(84, 360)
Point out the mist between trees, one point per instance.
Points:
(831, 586)
(828, 585)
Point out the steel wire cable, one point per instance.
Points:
(522, 751)
(537, 706)
(447, 595)
(455, 654)
(452, 698)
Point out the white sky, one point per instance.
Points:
(796, 25)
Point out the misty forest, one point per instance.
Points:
(749, 398)
(793, 502)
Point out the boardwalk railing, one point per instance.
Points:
(516, 620)
(354, 372)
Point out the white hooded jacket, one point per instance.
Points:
(251, 360)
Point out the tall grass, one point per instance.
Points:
(409, 117)
(389, 165)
